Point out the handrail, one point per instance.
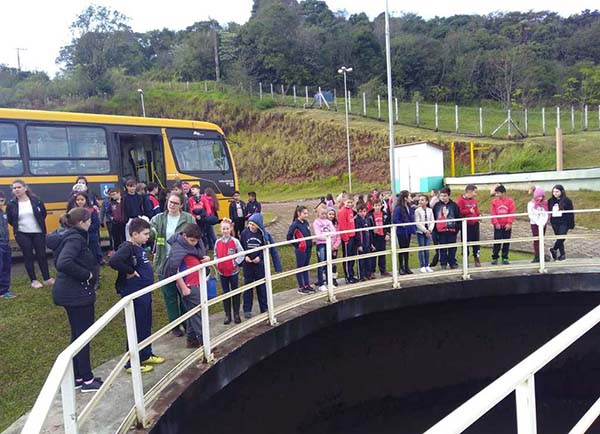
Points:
(61, 374)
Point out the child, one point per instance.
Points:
(106, 221)
(229, 270)
(425, 223)
(140, 188)
(253, 206)
(502, 205)
(330, 201)
(404, 213)
(300, 228)
(537, 209)
(237, 213)
(467, 204)
(5, 253)
(133, 204)
(135, 273)
(381, 235)
(346, 223)
(196, 207)
(363, 242)
(82, 201)
(336, 241)
(117, 217)
(187, 251)
(252, 237)
(445, 209)
(153, 198)
(322, 225)
(211, 207)
(561, 222)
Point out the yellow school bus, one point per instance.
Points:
(49, 150)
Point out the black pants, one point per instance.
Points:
(81, 318)
(560, 229)
(238, 227)
(447, 254)
(379, 243)
(403, 243)
(28, 242)
(349, 249)
(117, 231)
(473, 235)
(501, 234)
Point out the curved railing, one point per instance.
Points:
(61, 376)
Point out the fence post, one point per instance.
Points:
(205, 86)
(272, 93)
(585, 118)
(525, 400)
(365, 104)
(320, 98)
(437, 119)
(572, 118)
(134, 360)
(417, 112)
(379, 107)
(465, 250)
(396, 105)
(187, 85)
(394, 246)
(480, 121)
(282, 91)
(306, 93)
(598, 115)
(526, 123)
(541, 249)
(456, 118)
(208, 355)
(329, 252)
(349, 102)
(260, 89)
(294, 94)
(69, 403)
(509, 123)
(269, 286)
(335, 96)
(557, 117)
(543, 121)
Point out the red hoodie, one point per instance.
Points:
(346, 223)
(468, 208)
(501, 207)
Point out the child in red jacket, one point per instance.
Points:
(502, 205)
(467, 204)
(229, 271)
(346, 223)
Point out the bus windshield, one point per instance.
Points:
(199, 155)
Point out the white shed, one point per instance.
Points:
(419, 167)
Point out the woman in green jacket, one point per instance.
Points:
(164, 226)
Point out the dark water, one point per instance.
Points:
(402, 371)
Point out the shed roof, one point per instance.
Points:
(423, 142)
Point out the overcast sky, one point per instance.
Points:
(41, 27)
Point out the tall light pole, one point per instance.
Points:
(344, 70)
(141, 92)
(388, 59)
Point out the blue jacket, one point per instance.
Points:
(363, 239)
(126, 260)
(400, 217)
(251, 240)
(299, 230)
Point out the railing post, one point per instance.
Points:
(526, 414)
(541, 248)
(465, 250)
(269, 286)
(69, 404)
(394, 245)
(134, 360)
(208, 355)
(329, 252)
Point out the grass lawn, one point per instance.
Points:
(34, 331)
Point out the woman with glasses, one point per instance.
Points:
(165, 226)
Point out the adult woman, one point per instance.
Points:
(75, 286)
(164, 226)
(211, 206)
(26, 213)
(561, 221)
(404, 213)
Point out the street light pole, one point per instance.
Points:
(141, 92)
(344, 70)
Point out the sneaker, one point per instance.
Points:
(352, 280)
(553, 254)
(310, 288)
(386, 274)
(154, 360)
(247, 315)
(494, 262)
(236, 318)
(143, 369)
(561, 258)
(177, 333)
(444, 267)
(535, 260)
(454, 266)
(79, 383)
(303, 291)
(477, 262)
(323, 288)
(49, 282)
(192, 343)
(335, 282)
(371, 276)
(94, 386)
(363, 279)
(36, 284)
(429, 269)
(7, 295)
(423, 270)
(505, 261)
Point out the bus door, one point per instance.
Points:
(141, 157)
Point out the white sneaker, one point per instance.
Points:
(429, 269)
(36, 284)
(423, 269)
(323, 288)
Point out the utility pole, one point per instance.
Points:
(216, 44)
(19, 57)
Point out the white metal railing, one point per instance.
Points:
(61, 376)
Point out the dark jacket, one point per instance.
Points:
(452, 212)
(3, 228)
(39, 212)
(563, 204)
(299, 230)
(363, 238)
(400, 217)
(180, 248)
(253, 208)
(127, 260)
(74, 262)
(133, 206)
(251, 240)
(233, 211)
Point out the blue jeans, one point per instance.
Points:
(321, 271)
(423, 241)
(5, 265)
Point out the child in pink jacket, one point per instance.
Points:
(322, 226)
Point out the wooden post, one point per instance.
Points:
(559, 150)
(417, 112)
(379, 107)
(260, 89)
(526, 123)
(543, 121)
(509, 123)
(437, 119)
(272, 93)
(349, 102)
(396, 104)
(364, 104)
(320, 98)
(480, 121)
(306, 93)
(456, 118)
(572, 118)
(557, 117)
(472, 152)
(294, 88)
(452, 165)
(585, 118)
